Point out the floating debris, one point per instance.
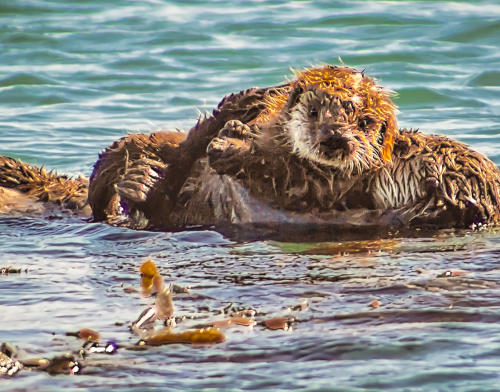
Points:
(176, 289)
(243, 321)
(12, 270)
(8, 363)
(227, 308)
(452, 273)
(300, 307)
(163, 308)
(9, 366)
(93, 347)
(375, 303)
(196, 336)
(248, 313)
(284, 323)
(63, 364)
(85, 334)
(35, 363)
(148, 273)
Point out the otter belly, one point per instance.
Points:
(213, 200)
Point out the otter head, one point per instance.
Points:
(337, 117)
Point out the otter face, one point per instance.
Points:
(335, 132)
(336, 117)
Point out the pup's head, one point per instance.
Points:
(338, 117)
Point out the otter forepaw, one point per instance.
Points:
(236, 129)
(227, 151)
(139, 180)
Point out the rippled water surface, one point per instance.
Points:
(75, 76)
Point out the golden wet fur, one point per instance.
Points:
(330, 141)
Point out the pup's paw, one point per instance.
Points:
(227, 151)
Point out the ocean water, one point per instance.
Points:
(76, 75)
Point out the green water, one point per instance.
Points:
(76, 75)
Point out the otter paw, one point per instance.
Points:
(138, 181)
(228, 150)
(236, 129)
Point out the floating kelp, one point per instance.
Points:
(284, 323)
(86, 334)
(35, 363)
(196, 336)
(148, 272)
(12, 270)
(163, 308)
(63, 364)
(225, 323)
(9, 365)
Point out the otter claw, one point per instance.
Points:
(235, 129)
(132, 191)
(148, 177)
(139, 180)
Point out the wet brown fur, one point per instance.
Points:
(149, 202)
(275, 147)
(422, 179)
(43, 186)
(116, 171)
(119, 158)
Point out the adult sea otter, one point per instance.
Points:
(323, 151)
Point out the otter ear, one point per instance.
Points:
(294, 96)
(390, 134)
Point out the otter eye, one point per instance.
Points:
(381, 135)
(365, 122)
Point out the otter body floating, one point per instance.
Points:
(323, 151)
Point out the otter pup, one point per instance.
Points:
(322, 150)
(331, 142)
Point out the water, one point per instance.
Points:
(74, 76)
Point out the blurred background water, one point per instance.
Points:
(76, 75)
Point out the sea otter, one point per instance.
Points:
(331, 142)
(323, 150)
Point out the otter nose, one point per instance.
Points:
(333, 139)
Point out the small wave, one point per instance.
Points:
(486, 78)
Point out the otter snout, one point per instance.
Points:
(332, 139)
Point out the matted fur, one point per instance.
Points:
(371, 164)
(322, 148)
